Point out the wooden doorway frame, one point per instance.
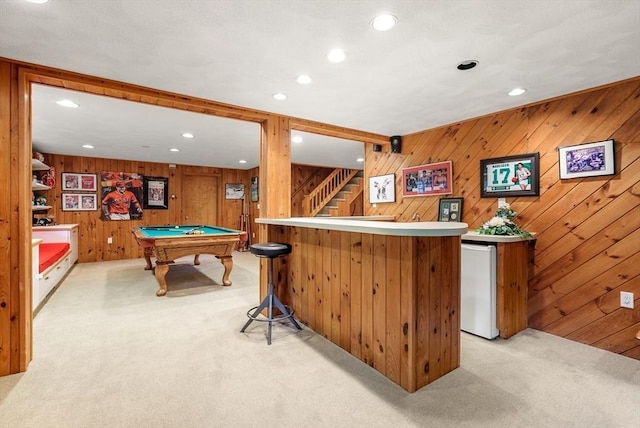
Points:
(16, 78)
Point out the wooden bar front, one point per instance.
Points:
(391, 301)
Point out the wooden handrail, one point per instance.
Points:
(321, 195)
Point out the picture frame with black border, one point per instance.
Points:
(234, 191)
(587, 160)
(450, 209)
(155, 193)
(517, 175)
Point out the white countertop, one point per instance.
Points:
(424, 228)
(56, 227)
(475, 236)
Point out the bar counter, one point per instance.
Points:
(387, 292)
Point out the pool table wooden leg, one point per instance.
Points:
(227, 262)
(196, 259)
(161, 271)
(148, 252)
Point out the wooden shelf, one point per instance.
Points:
(39, 186)
(40, 207)
(36, 165)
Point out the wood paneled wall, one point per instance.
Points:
(93, 232)
(588, 230)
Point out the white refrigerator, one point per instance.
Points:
(478, 293)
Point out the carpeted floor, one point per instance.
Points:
(109, 353)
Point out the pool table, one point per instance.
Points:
(168, 243)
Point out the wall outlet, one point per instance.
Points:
(626, 299)
(110, 240)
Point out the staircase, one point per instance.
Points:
(340, 194)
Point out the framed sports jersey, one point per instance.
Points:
(516, 175)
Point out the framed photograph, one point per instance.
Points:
(254, 189)
(79, 182)
(517, 175)
(430, 179)
(155, 193)
(234, 191)
(382, 188)
(587, 160)
(79, 202)
(450, 209)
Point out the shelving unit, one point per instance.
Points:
(37, 165)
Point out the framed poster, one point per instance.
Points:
(450, 209)
(156, 193)
(234, 191)
(254, 189)
(79, 202)
(429, 179)
(587, 160)
(80, 182)
(510, 176)
(382, 188)
(122, 195)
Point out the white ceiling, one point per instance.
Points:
(241, 52)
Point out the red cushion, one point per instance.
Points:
(51, 252)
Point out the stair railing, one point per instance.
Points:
(321, 195)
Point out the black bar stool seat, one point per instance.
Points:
(270, 250)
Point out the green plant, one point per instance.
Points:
(502, 224)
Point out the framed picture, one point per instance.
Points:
(510, 176)
(234, 191)
(155, 193)
(254, 189)
(382, 188)
(430, 179)
(79, 202)
(587, 160)
(122, 195)
(79, 182)
(450, 209)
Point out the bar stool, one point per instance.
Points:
(270, 250)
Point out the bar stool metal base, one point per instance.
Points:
(271, 301)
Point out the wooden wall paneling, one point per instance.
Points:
(575, 308)
(422, 304)
(294, 284)
(379, 301)
(408, 313)
(305, 284)
(576, 221)
(326, 273)
(336, 287)
(366, 314)
(318, 323)
(345, 262)
(393, 324)
(435, 300)
(512, 287)
(356, 293)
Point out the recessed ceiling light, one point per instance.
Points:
(174, 150)
(336, 55)
(87, 146)
(517, 91)
(296, 139)
(242, 161)
(280, 96)
(303, 79)
(467, 65)
(360, 160)
(384, 22)
(67, 103)
(187, 135)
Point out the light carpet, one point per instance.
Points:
(109, 353)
